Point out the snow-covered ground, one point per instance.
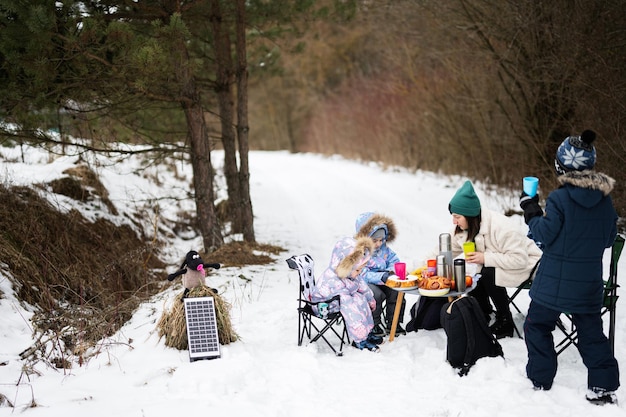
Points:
(304, 203)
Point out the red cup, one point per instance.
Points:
(400, 268)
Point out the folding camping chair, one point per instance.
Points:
(523, 286)
(310, 323)
(609, 304)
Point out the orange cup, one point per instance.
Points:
(431, 264)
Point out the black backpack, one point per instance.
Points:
(425, 314)
(469, 337)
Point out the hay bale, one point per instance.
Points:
(173, 327)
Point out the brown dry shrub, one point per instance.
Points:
(89, 180)
(70, 187)
(84, 278)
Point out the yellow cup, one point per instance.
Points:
(469, 247)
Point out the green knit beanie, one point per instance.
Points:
(465, 202)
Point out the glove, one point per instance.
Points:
(530, 205)
(214, 266)
(384, 277)
(172, 277)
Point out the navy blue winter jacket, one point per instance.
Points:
(579, 223)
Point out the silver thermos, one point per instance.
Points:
(442, 267)
(459, 274)
(445, 249)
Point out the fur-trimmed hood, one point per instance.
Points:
(586, 188)
(588, 179)
(367, 223)
(350, 253)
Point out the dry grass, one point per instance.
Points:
(244, 253)
(173, 328)
(84, 279)
(79, 182)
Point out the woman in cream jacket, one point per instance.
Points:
(504, 254)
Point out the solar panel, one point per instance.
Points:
(202, 334)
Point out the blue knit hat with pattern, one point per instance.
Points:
(576, 153)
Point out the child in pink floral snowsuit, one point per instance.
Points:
(356, 298)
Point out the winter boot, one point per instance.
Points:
(376, 340)
(503, 326)
(366, 345)
(600, 396)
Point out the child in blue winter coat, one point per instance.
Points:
(356, 300)
(579, 223)
(382, 230)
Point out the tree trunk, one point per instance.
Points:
(203, 178)
(200, 152)
(247, 218)
(224, 82)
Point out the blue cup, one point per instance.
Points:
(530, 185)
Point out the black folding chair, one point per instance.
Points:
(609, 304)
(312, 324)
(524, 286)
